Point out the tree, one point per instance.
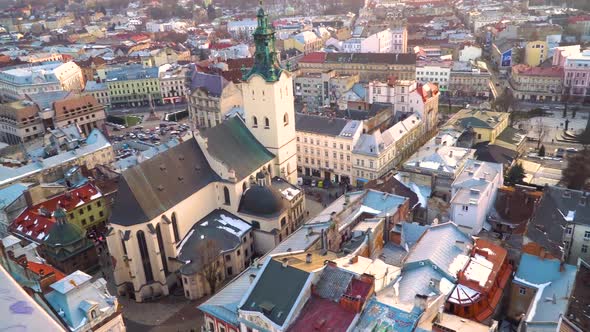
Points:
(211, 12)
(577, 171)
(584, 137)
(505, 101)
(542, 151)
(515, 174)
(212, 261)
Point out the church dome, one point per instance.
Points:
(64, 234)
(262, 201)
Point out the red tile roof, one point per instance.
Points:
(523, 69)
(37, 267)
(426, 90)
(315, 57)
(322, 315)
(36, 221)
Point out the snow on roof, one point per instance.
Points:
(479, 269)
(240, 226)
(464, 295)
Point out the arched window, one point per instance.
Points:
(285, 119)
(226, 199)
(254, 122)
(175, 228)
(145, 257)
(162, 249)
(266, 123)
(93, 314)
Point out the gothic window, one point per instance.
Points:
(285, 119)
(145, 257)
(162, 249)
(175, 228)
(226, 196)
(266, 123)
(254, 122)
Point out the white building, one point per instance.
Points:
(386, 41)
(241, 29)
(473, 194)
(438, 72)
(470, 53)
(407, 97)
(173, 85)
(55, 76)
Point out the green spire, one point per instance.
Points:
(266, 63)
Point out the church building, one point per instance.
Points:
(228, 193)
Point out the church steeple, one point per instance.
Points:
(266, 62)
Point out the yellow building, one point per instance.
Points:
(305, 42)
(486, 125)
(535, 53)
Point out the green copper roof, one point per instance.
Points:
(266, 62)
(64, 234)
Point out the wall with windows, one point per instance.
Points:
(578, 243)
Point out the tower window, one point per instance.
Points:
(226, 196)
(285, 119)
(266, 123)
(254, 122)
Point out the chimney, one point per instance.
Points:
(562, 266)
(285, 262)
(28, 198)
(252, 277)
(308, 258)
(421, 301)
(451, 153)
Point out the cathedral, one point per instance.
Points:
(200, 212)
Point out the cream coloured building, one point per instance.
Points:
(324, 146)
(238, 174)
(377, 153)
(212, 97)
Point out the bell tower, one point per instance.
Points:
(268, 101)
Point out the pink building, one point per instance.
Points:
(576, 66)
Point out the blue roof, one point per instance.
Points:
(384, 202)
(360, 90)
(132, 72)
(10, 194)
(224, 304)
(439, 245)
(411, 232)
(95, 141)
(213, 84)
(416, 280)
(545, 275)
(380, 317)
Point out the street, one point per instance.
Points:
(146, 109)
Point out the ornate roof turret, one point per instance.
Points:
(266, 62)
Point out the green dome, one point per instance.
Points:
(64, 234)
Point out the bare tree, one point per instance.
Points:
(211, 262)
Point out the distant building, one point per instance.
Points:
(369, 66)
(21, 122)
(89, 152)
(83, 111)
(100, 91)
(212, 98)
(537, 83)
(173, 84)
(467, 79)
(486, 125)
(242, 29)
(437, 72)
(385, 41)
(134, 85)
(305, 42)
(535, 52)
(15, 83)
(322, 89)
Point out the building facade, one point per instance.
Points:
(322, 89)
(369, 66)
(437, 72)
(324, 146)
(17, 82)
(134, 85)
(211, 99)
(536, 83)
(20, 122)
(83, 111)
(535, 52)
(173, 85)
(467, 79)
